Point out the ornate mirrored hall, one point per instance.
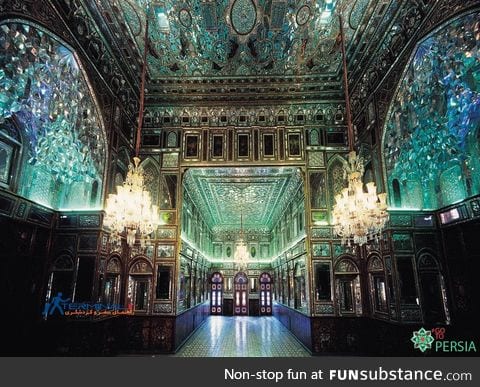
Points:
(238, 178)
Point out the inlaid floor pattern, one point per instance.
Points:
(222, 336)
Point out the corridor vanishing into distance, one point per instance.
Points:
(222, 336)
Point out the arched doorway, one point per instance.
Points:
(378, 287)
(347, 288)
(111, 286)
(216, 290)
(265, 294)
(139, 286)
(61, 277)
(240, 301)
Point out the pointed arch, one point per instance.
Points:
(336, 178)
(151, 171)
(419, 141)
(123, 159)
(345, 264)
(374, 263)
(66, 145)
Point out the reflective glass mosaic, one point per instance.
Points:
(43, 90)
(259, 195)
(240, 37)
(431, 143)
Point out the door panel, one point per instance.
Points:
(240, 299)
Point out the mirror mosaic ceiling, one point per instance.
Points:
(260, 194)
(237, 38)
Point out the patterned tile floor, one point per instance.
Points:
(222, 336)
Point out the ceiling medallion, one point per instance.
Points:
(303, 15)
(185, 17)
(243, 17)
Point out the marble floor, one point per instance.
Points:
(222, 336)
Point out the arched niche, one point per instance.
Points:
(151, 171)
(61, 276)
(314, 137)
(347, 287)
(431, 149)
(377, 284)
(432, 289)
(336, 178)
(140, 276)
(113, 280)
(119, 169)
(64, 149)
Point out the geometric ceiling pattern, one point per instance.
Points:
(207, 38)
(258, 195)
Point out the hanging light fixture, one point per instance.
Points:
(241, 256)
(130, 212)
(358, 216)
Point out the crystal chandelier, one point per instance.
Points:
(358, 216)
(240, 256)
(130, 212)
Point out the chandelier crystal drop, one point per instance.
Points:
(130, 211)
(358, 216)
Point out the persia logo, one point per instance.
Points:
(422, 339)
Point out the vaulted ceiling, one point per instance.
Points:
(199, 38)
(239, 46)
(259, 195)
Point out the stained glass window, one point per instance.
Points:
(44, 89)
(431, 145)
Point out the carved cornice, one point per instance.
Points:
(232, 91)
(327, 113)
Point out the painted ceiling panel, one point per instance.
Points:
(228, 38)
(259, 194)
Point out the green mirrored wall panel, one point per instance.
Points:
(319, 218)
(321, 249)
(44, 91)
(318, 190)
(431, 143)
(339, 249)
